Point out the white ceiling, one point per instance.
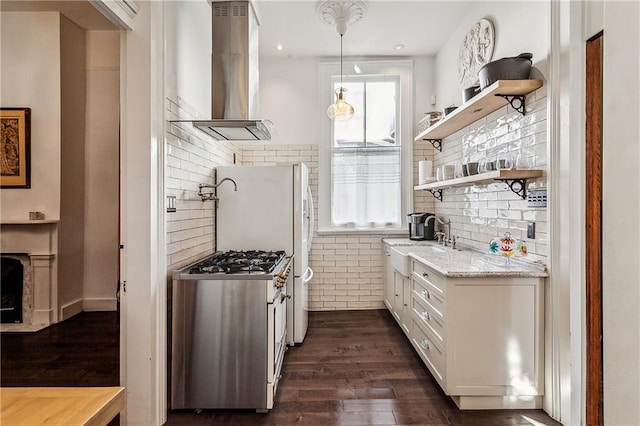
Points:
(421, 25)
(81, 12)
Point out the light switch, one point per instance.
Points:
(531, 230)
(171, 203)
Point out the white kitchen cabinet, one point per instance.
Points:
(402, 307)
(389, 284)
(481, 337)
(397, 289)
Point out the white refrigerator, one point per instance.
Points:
(272, 209)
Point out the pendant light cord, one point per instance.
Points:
(341, 61)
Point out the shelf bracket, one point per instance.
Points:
(516, 102)
(437, 143)
(437, 193)
(517, 186)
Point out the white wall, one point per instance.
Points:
(102, 172)
(191, 155)
(30, 77)
(519, 26)
(621, 213)
(188, 56)
(479, 213)
(289, 98)
(72, 176)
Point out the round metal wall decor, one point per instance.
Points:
(476, 50)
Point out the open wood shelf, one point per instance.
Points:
(500, 93)
(515, 179)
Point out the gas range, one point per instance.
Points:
(238, 262)
(229, 329)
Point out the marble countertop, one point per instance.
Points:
(466, 262)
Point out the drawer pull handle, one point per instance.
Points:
(425, 316)
(424, 274)
(426, 294)
(424, 344)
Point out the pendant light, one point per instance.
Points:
(341, 13)
(340, 110)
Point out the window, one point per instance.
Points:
(365, 162)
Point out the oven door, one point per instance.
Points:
(277, 339)
(280, 329)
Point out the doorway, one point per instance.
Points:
(593, 231)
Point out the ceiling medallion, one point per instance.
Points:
(341, 13)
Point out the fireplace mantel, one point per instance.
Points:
(36, 244)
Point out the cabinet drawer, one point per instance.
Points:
(429, 318)
(431, 353)
(436, 280)
(429, 295)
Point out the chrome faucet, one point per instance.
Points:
(444, 237)
(210, 196)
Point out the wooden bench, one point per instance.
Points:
(60, 406)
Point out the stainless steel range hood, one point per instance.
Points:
(234, 74)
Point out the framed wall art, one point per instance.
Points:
(15, 148)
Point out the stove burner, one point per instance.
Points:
(239, 262)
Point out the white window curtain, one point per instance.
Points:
(365, 168)
(366, 187)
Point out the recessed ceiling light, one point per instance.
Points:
(356, 68)
(399, 46)
(279, 46)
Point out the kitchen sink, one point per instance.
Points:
(400, 256)
(433, 249)
(400, 259)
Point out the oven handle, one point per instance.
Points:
(281, 278)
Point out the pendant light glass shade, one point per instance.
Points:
(340, 110)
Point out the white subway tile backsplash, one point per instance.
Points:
(478, 213)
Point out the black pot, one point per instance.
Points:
(516, 68)
(448, 110)
(469, 93)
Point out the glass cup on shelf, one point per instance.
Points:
(457, 172)
(504, 161)
(490, 163)
(448, 171)
(482, 165)
(523, 162)
(440, 174)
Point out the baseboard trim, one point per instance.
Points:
(498, 402)
(70, 309)
(93, 304)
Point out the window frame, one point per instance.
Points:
(368, 78)
(404, 138)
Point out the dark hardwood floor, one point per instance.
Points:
(358, 368)
(81, 351)
(354, 368)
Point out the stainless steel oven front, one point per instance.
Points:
(228, 338)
